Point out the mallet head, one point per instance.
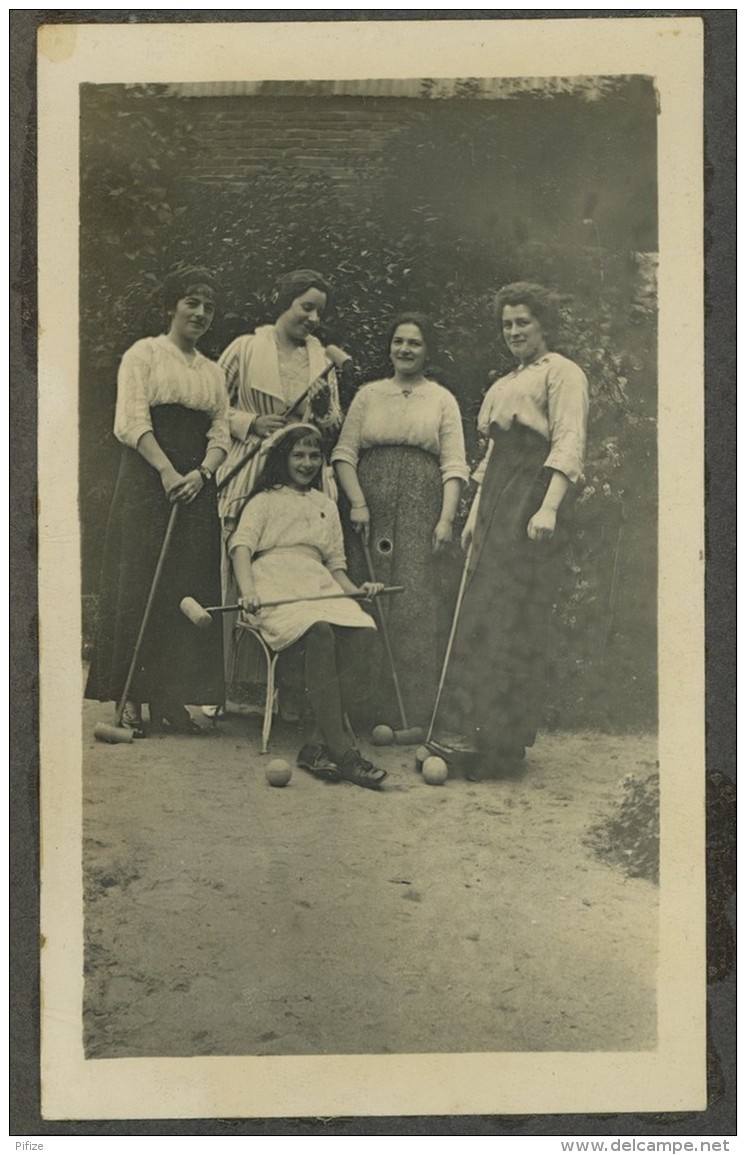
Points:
(114, 735)
(196, 614)
(410, 737)
(339, 359)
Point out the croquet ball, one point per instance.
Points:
(382, 736)
(421, 755)
(434, 771)
(278, 772)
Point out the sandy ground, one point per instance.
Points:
(225, 916)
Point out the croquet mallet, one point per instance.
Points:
(104, 731)
(407, 735)
(201, 616)
(338, 360)
(449, 647)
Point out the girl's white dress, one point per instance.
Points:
(295, 538)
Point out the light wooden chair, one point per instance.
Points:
(270, 657)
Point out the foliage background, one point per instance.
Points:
(415, 233)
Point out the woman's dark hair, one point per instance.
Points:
(275, 472)
(292, 285)
(184, 277)
(425, 326)
(540, 302)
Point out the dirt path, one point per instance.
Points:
(224, 916)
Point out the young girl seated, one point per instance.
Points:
(288, 544)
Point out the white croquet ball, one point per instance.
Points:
(382, 736)
(278, 772)
(434, 770)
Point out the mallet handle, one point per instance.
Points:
(315, 598)
(451, 638)
(254, 449)
(146, 613)
(386, 640)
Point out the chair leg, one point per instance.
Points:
(270, 658)
(269, 702)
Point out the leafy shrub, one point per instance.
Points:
(630, 836)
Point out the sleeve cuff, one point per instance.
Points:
(131, 434)
(235, 541)
(571, 467)
(348, 456)
(448, 472)
(241, 423)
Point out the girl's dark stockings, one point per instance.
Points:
(337, 663)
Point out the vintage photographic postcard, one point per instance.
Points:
(528, 942)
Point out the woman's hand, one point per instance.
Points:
(542, 525)
(250, 604)
(467, 533)
(442, 534)
(267, 424)
(320, 396)
(187, 489)
(360, 521)
(371, 589)
(171, 480)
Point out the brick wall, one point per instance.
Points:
(613, 159)
(237, 137)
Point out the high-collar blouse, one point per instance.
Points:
(427, 416)
(154, 371)
(549, 396)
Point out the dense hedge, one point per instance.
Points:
(396, 243)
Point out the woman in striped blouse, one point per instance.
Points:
(273, 377)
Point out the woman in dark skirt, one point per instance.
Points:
(172, 420)
(401, 466)
(535, 419)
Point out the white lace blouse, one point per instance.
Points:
(154, 371)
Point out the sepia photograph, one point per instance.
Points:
(386, 748)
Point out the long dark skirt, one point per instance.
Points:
(177, 661)
(404, 492)
(494, 691)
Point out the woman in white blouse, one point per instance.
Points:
(535, 419)
(172, 420)
(401, 465)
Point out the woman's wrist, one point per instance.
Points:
(361, 505)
